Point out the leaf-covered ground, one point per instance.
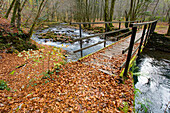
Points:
(76, 88)
(73, 87)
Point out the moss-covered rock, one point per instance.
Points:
(12, 43)
(56, 37)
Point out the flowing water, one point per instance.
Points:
(153, 82)
(61, 29)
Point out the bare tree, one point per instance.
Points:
(36, 18)
(10, 8)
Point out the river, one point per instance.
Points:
(153, 82)
(62, 29)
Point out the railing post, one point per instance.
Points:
(151, 30)
(134, 30)
(139, 26)
(105, 35)
(141, 42)
(81, 40)
(154, 26)
(119, 24)
(148, 30)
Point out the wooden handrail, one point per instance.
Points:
(102, 22)
(100, 34)
(129, 32)
(140, 24)
(89, 46)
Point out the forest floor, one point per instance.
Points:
(68, 87)
(162, 27)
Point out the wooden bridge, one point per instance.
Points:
(115, 59)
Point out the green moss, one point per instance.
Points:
(16, 42)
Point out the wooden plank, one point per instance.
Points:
(123, 65)
(124, 51)
(106, 72)
(88, 46)
(100, 34)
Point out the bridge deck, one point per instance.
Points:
(110, 59)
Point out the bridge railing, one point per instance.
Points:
(99, 34)
(148, 30)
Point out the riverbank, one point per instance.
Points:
(159, 42)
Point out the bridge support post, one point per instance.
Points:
(154, 26)
(141, 42)
(81, 41)
(105, 35)
(151, 30)
(119, 24)
(140, 22)
(137, 27)
(134, 30)
(148, 30)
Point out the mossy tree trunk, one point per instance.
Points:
(106, 14)
(112, 12)
(10, 8)
(131, 8)
(23, 5)
(14, 13)
(19, 14)
(36, 18)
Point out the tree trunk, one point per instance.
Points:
(112, 12)
(131, 9)
(155, 7)
(126, 17)
(168, 33)
(14, 14)
(101, 12)
(36, 18)
(19, 14)
(10, 8)
(106, 15)
(23, 4)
